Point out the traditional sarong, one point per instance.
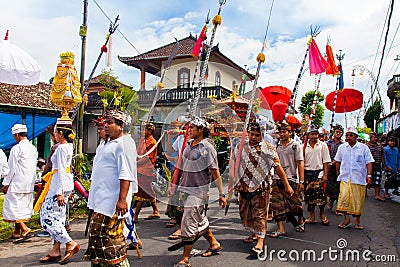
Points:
(392, 180)
(107, 243)
(376, 174)
(194, 222)
(145, 191)
(53, 217)
(253, 210)
(332, 185)
(283, 205)
(351, 198)
(314, 193)
(17, 207)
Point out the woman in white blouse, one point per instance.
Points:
(52, 212)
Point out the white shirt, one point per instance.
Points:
(131, 155)
(353, 162)
(178, 143)
(315, 157)
(61, 181)
(109, 167)
(3, 164)
(22, 165)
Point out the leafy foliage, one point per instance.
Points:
(306, 106)
(119, 96)
(373, 113)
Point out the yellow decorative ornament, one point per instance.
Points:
(309, 41)
(65, 89)
(160, 85)
(217, 20)
(261, 58)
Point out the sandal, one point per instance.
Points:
(170, 224)
(387, 196)
(49, 258)
(212, 252)
(276, 234)
(257, 250)
(300, 228)
(325, 221)
(182, 265)
(358, 226)
(174, 236)
(309, 221)
(250, 239)
(344, 225)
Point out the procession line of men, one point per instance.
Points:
(294, 168)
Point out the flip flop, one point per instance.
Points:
(300, 228)
(14, 236)
(49, 258)
(152, 217)
(379, 199)
(174, 237)
(69, 253)
(250, 239)
(344, 226)
(257, 250)
(359, 227)
(308, 221)
(325, 221)
(182, 265)
(276, 234)
(212, 252)
(25, 236)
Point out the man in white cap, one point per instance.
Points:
(354, 160)
(19, 183)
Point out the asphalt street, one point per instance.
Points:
(377, 245)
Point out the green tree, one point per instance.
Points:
(373, 113)
(306, 106)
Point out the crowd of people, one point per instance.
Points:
(333, 174)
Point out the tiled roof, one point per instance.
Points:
(152, 60)
(33, 96)
(185, 49)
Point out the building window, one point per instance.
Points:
(183, 78)
(217, 78)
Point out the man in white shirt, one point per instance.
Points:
(18, 185)
(354, 165)
(110, 195)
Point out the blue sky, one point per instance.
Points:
(45, 28)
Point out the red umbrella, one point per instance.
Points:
(279, 110)
(271, 94)
(293, 122)
(347, 100)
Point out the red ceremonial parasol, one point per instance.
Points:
(271, 94)
(293, 122)
(279, 110)
(347, 100)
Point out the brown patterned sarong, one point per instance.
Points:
(314, 193)
(107, 243)
(253, 212)
(283, 205)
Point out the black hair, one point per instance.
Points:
(65, 131)
(23, 134)
(206, 131)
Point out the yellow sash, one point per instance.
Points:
(47, 178)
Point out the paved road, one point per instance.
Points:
(381, 236)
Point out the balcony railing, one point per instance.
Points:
(179, 95)
(173, 96)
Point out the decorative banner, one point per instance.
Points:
(332, 69)
(317, 62)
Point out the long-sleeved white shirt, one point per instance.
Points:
(22, 164)
(62, 181)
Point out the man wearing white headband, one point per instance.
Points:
(19, 183)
